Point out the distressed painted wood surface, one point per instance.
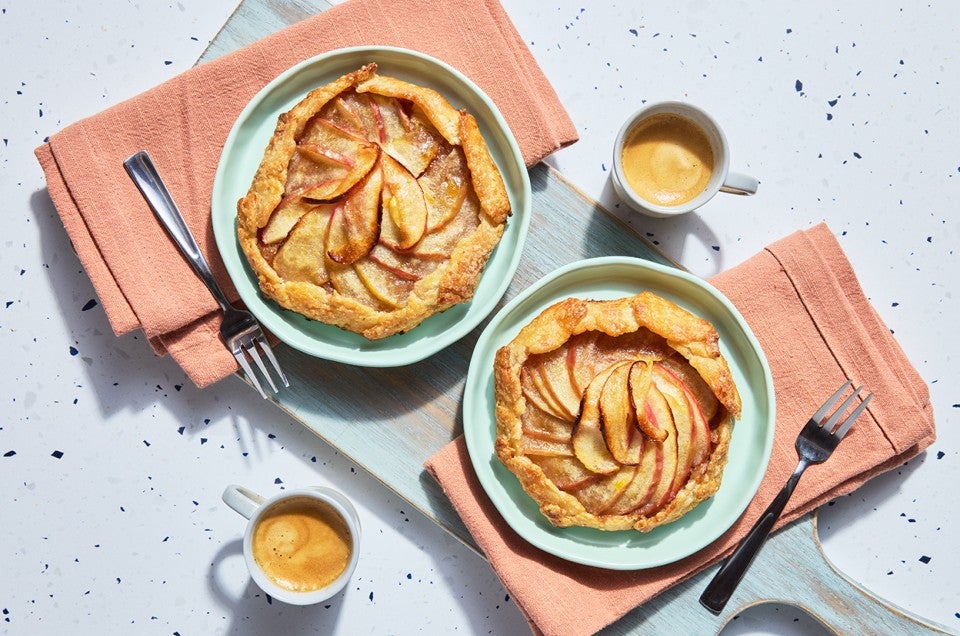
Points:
(415, 410)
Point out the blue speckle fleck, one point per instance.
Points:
(90, 305)
(73, 351)
(798, 86)
(58, 454)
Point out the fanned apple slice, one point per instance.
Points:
(407, 135)
(700, 442)
(536, 447)
(683, 424)
(579, 348)
(404, 220)
(403, 264)
(342, 113)
(659, 411)
(697, 387)
(588, 443)
(599, 496)
(346, 282)
(445, 185)
(440, 243)
(327, 162)
(284, 217)
(566, 473)
(641, 375)
(355, 227)
(444, 117)
(556, 379)
(648, 475)
(302, 257)
(389, 289)
(617, 419)
(538, 423)
(531, 383)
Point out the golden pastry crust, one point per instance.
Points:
(567, 390)
(376, 205)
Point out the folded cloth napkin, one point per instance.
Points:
(802, 300)
(142, 281)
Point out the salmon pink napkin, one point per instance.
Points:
(142, 281)
(802, 299)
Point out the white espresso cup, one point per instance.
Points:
(670, 158)
(301, 546)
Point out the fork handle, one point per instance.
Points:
(144, 174)
(725, 581)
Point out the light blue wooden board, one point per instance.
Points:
(415, 410)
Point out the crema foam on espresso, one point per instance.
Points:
(667, 159)
(302, 544)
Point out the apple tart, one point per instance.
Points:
(376, 205)
(615, 414)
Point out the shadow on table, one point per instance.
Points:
(120, 368)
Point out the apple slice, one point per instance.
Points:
(445, 185)
(588, 443)
(404, 134)
(648, 475)
(342, 112)
(700, 438)
(667, 384)
(617, 419)
(556, 379)
(444, 239)
(536, 447)
(694, 383)
(386, 287)
(532, 385)
(578, 350)
(640, 378)
(355, 227)
(345, 281)
(404, 218)
(603, 494)
(301, 257)
(327, 162)
(283, 218)
(539, 423)
(566, 473)
(402, 264)
(659, 411)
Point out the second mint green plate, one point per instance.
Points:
(603, 279)
(243, 152)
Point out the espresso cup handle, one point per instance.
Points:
(242, 500)
(737, 183)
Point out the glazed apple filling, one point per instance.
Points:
(374, 200)
(615, 414)
(377, 204)
(620, 423)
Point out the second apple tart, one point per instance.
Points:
(377, 204)
(615, 414)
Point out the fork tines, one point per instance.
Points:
(831, 422)
(250, 348)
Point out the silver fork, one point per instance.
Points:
(240, 330)
(814, 445)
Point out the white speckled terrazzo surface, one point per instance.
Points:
(112, 463)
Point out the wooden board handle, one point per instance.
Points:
(815, 586)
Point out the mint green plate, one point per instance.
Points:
(243, 152)
(603, 279)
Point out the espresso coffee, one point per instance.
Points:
(302, 544)
(667, 159)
